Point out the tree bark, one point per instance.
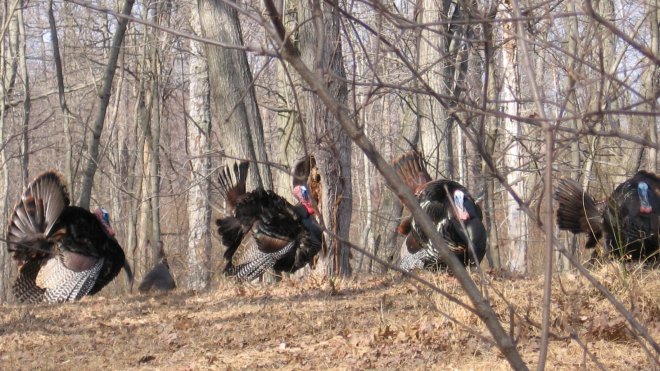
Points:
(22, 62)
(199, 129)
(9, 52)
(320, 46)
(650, 86)
(517, 220)
(233, 91)
(435, 127)
(155, 125)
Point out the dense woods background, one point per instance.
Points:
(139, 111)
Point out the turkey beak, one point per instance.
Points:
(645, 205)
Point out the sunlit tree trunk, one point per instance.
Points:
(25, 79)
(233, 90)
(436, 133)
(199, 128)
(651, 86)
(320, 47)
(489, 134)
(516, 218)
(571, 109)
(157, 10)
(9, 51)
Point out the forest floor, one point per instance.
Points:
(380, 322)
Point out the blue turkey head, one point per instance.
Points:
(643, 192)
(301, 193)
(104, 217)
(459, 202)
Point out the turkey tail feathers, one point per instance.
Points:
(35, 214)
(577, 211)
(411, 169)
(232, 184)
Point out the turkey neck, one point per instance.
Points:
(301, 211)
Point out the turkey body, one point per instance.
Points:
(451, 208)
(629, 219)
(63, 252)
(265, 231)
(159, 277)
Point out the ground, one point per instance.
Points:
(383, 322)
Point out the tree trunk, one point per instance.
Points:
(154, 159)
(650, 86)
(435, 128)
(199, 129)
(290, 125)
(320, 46)
(233, 91)
(9, 51)
(22, 61)
(517, 219)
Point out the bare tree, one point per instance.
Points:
(9, 51)
(198, 138)
(320, 46)
(25, 79)
(233, 90)
(517, 221)
(651, 85)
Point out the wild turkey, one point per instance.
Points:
(159, 278)
(629, 219)
(453, 210)
(265, 231)
(63, 252)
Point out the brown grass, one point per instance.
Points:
(382, 323)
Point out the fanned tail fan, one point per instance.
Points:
(35, 214)
(411, 169)
(577, 211)
(232, 183)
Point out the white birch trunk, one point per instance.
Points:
(516, 219)
(199, 126)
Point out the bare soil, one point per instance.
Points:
(314, 323)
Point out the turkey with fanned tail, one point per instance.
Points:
(451, 208)
(63, 252)
(265, 231)
(629, 219)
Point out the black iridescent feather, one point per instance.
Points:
(629, 219)
(63, 252)
(264, 231)
(452, 209)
